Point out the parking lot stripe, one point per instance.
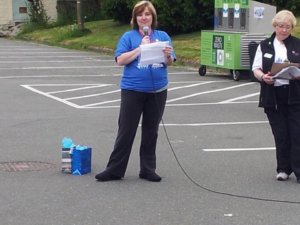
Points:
(56, 61)
(191, 85)
(213, 124)
(211, 103)
(66, 75)
(208, 92)
(81, 88)
(101, 103)
(237, 149)
(56, 67)
(37, 52)
(93, 95)
(42, 56)
(51, 96)
(241, 97)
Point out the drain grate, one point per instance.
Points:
(22, 166)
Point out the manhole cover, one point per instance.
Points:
(24, 166)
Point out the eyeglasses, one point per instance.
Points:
(282, 26)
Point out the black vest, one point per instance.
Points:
(267, 94)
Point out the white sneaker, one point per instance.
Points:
(282, 176)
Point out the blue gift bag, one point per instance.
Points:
(81, 160)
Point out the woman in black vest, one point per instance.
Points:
(280, 98)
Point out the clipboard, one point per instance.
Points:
(277, 67)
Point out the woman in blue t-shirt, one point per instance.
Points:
(143, 92)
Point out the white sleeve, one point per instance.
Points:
(257, 63)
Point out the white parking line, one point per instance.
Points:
(212, 124)
(180, 105)
(56, 61)
(21, 48)
(43, 56)
(61, 85)
(208, 92)
(51, 96)
(191, 85)
(57, 67)
(237, 149)
(241, 97)
(101, 104)
(35, 53)
(211, 103)
(81, 88)
(51, 76)
(93, 95)
(85, 75)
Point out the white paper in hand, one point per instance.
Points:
(153, 53)
(288, 73)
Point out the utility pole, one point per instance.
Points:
(79, 15)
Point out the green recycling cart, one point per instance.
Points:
(237, 23)
(222, 50)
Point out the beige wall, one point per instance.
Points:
(50, 7)
(6, 12)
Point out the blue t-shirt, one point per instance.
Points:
(149, 78)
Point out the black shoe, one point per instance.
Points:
(150, 177)
(106, 176)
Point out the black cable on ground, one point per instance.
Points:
(218, 192)
(201, 186)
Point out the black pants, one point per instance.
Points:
(133, 105)
(285, 123)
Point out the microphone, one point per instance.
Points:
(146, 30)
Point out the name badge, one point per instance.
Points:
(268, 55)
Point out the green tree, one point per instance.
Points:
(174, 16)
(182, 16)
(119, 10)
(37, 13)
(67, 11)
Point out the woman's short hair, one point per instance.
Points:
(284, 16)
(139, 8)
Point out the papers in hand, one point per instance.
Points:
(153, 53)
(287, 71)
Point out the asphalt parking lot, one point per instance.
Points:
(223, 172)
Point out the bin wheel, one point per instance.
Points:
(236, 75)
(202, 70)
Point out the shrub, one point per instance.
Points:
(183, 16)
(174, 16)
(37, 13)
(67, 11)
(118, 10)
